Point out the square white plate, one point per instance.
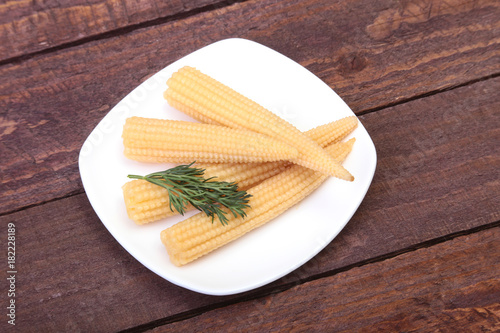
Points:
(271, 251)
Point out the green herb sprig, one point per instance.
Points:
(185, 185)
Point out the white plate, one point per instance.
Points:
(271, 251)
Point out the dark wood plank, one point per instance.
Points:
(32, 26)
(452, 43)
(437, 175)
(450, 287)
(73, 276)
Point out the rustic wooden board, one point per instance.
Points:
(437, 176)
(436, 171)
(73, 276)
(28, 26)
(450, 287)
(372, 53)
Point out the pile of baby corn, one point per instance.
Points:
(237, 140)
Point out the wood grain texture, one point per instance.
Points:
(45, 97)
(32, 26)
(74, 277)
(450, 287)
(437, 175)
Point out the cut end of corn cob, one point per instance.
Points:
(208, 100)
(161, 140)
(146, 202)
(197, 236)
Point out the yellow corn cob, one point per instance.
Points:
(197, 236)
(159, 140)
(208, 100)
(146, 202)
(334, 131)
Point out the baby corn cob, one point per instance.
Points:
(158, 140)
(197, 236)
(208, 100)
(334, 131)
(146, 202)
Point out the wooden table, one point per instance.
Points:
(422, 253)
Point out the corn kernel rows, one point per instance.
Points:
(196, 236)
(159, 140)
(146, 202)
(334, 131)
(206, 96)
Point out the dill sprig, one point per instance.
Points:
(185, 185)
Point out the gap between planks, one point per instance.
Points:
(270, 291)
(121, 31)
(428, 94)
